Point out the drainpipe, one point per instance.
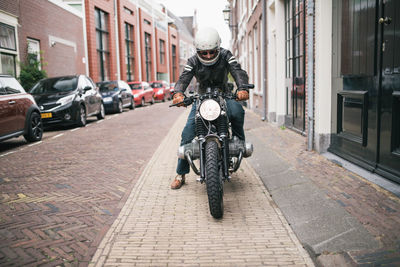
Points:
(85, 38)
(117, 39)
(263, 60)
(310, 71)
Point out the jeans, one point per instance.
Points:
(236, 117)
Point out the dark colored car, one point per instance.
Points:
(68, 100)
(19, 114)
(117, 95)
(142, 93)
(161, 90)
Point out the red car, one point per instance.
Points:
(161, 90)
(19, 114)
(142, 93)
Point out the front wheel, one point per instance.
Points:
(81, 120)
(102, 113)
(132, 105)
(213, 180)
(35, 128)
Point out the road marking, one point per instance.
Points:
(36, 143)
(58, 135)
(8, 153)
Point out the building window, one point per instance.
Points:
(8, 50)
(7, 64)
(147, 48)
(174, 62)
(7, 37)
(129, 52)
(162, 51)
(102, 41)
(33, 51)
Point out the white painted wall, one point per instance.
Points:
(280, 62)
(323, 70)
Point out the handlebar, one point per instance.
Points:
(189, 100)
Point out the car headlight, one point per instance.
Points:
(107, 99)
(65, 100)
(210, 109)
(136, 96)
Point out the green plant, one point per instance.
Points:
(31, 71)
(283, 127)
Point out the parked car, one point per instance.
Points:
(161, 90)
(68, 100)
(142, 93)
(117, 95)
(19, 114)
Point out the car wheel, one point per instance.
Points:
(102, 113)
(163, 100)
(34, 132)
(142, 103)
(81, 116)
(132, 105)
(120, 107)
(152, 100)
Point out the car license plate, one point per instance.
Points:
(46, 115)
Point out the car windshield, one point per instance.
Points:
(55, 85)
(135, 86)
(108, 86)
(156, 85)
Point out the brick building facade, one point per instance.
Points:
(119, 39)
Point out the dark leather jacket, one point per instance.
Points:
(212, 76)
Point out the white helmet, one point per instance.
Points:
(207, 43)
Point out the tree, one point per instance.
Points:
(31, 71)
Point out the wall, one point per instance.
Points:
(131, 18)
(323, 74)
(108, 7)
(61, 43)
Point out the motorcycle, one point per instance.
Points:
(219, 153)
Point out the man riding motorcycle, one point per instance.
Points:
(210, 66)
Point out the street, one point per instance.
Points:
(60, 197)
(100, 196)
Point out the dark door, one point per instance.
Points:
(368, 106)
(295, 63)
(389, 137)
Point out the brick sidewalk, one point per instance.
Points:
(375, 208)
(163, 227)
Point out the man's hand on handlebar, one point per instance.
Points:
(242, 95)
(178, 98)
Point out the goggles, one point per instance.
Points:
(204, 54)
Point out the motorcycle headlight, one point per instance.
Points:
(210, 109)
(65, 100)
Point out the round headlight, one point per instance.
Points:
(210, 109)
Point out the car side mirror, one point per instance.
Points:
(87, 88)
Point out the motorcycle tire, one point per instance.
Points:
(213, 180)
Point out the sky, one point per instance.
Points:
(209, 14)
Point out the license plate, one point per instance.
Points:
(46, 115)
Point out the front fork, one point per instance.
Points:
(222, 127)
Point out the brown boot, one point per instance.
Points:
(178, 181)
